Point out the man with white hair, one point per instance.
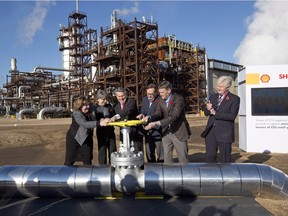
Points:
(222, 109)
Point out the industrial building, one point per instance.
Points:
(217, 68)
(127, 54)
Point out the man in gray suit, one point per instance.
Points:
(170, 115)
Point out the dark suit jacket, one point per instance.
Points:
(100, 112)
(148, 111)
(225, 116)
(105, 111)
(130, 110)
(172, 118)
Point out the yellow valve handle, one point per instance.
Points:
(126, 123)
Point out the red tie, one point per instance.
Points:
(122, 106)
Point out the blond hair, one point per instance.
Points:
(79, 102)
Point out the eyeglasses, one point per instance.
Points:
(149, 93)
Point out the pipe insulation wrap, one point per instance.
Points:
(201, 179)
(44, 110)
(55, 181)
(192, 179)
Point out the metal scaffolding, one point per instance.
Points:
(185, 69)
(128, 54)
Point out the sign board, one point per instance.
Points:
(263, 114)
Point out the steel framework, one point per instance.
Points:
(128, 54)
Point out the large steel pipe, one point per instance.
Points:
(25, 110)
(55, 181)
(194, 179)
(40, 115)
(200, 179)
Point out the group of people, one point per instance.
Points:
(166, 125)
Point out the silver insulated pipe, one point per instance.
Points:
(200, 179)
(55, 181)
(193, 179)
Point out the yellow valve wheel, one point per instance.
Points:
(126, 123)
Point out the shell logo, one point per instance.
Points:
(265, 78)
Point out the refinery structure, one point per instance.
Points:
(127, 54)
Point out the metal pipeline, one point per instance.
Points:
(62, 82)
(25, 110)
(40, 115)
(55, 181)
(207, 76)
(200, 179)
(19, 94)
(51, 68)
(193, 179)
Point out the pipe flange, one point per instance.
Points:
(127, 159)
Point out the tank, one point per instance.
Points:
(13, 65)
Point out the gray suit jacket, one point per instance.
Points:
(173, 117)
(84, 126)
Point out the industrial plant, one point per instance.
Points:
(127, 54)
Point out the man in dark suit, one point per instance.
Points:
(153, 138)
(222, 109)
(127, 109)
(170, 115)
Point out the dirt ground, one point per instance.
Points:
(42, 142)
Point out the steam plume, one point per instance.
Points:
(266, 39)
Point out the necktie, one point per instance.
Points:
(219, 100)
(166, 102)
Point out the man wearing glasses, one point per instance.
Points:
(170, 115)
(153, 137)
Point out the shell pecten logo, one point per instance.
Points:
(265, 78)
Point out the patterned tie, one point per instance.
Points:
(219, 100)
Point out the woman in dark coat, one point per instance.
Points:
(106, 139)
(79, 138)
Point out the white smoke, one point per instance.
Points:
(266, 39)
(33, 22)
(125, 11)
